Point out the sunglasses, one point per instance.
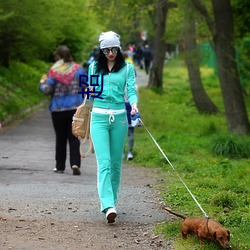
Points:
(106, 51)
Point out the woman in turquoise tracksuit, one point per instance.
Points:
(109, 123)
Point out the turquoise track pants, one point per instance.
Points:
(108, 136)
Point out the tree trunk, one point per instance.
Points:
(159, 47)
(201, 99)
(235, 109)
(223, 38)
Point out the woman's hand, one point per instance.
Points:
(134, 109)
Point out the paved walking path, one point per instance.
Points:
(141, 78)
(31, 191)
(26, 163)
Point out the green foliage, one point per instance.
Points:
(28, 33)
(224, 200)
(19, 87)
(219, 183)
(170, 230)
(128, 18)
(243, 59)
(231, 146)
(175, 25)
(241, 17)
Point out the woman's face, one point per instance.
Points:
(110, 53)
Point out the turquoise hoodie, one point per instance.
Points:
(111, 87)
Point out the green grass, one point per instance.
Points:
(214, 164)
(19, 88)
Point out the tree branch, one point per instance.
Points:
(202, 9)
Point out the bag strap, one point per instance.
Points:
(92, 71)
(84, 140)
(84, 100)
(91, 148)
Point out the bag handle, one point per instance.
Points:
(84, 155)
(84, 100)
(84, 140)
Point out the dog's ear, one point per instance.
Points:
(214, 235)
(228, 237)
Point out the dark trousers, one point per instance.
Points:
(130, 129)
(131, 139)
(147, 65)
(62, 122)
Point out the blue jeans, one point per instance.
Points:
(108, 139)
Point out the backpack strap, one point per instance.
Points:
(126, 73)
(92, 71)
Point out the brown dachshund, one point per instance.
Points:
(204, 229)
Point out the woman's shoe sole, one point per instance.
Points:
(111, 217)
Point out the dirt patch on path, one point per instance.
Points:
(50, 234)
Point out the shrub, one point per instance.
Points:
(231, 146)
(223, 200)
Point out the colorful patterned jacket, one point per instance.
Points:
(64, 96)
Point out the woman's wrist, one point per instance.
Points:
(134, 108)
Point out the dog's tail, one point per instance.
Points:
(175, 213)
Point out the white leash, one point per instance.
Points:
(174, 169)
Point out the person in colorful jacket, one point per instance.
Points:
(109, 123)
(62, 84)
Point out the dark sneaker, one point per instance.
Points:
(111, 214)
(76, 170)
(58, 171)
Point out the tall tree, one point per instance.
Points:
(159, 44)
(201, 99)
(223, 38)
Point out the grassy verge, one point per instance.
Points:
(19, 89)
(214, 164)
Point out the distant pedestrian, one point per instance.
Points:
(128, 109)
(147, 54)
(62, 84)
(138, 56)
(93, 55)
